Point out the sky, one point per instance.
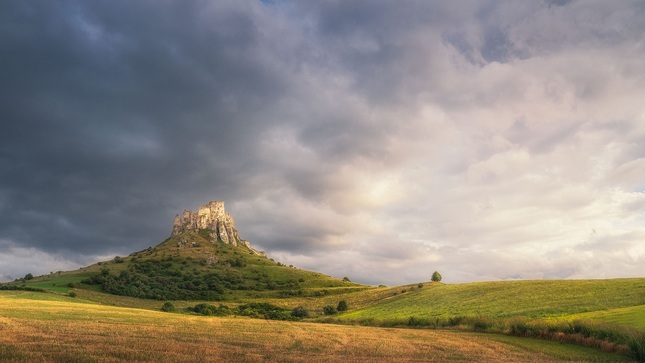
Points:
(378, 140)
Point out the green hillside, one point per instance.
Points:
(604, 314)
(633, 316)
(195, 274)
(191, 267)
(503, 299)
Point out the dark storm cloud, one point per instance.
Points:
(367, 138)
(113, 110)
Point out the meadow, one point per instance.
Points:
(504, 299)
(110, 312)
(54, 328)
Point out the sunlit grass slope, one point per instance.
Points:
(191, 267)
(533, 299)
(633, 316)
(63, 330)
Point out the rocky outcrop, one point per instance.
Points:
(214, 218)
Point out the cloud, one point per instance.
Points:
(486, 140)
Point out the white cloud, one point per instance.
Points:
(486, 140)
(19, 261)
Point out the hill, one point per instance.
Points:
(503, 299)
(190, 267)
(203, 259)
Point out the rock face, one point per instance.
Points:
(213, 217)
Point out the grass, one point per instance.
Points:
(58, 283)
(633, 316)
(189, 266)
(56, 327)
(62, 329)
(504, 299)
(553, 348)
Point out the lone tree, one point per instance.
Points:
(436, 276)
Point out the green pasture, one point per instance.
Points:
(503, 299)
(633, 316)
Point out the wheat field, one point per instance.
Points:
(63, 330)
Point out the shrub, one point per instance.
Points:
(455, 320)
(329, 310)
(300, 312)
(482, 324)
(636, 343)
(414, 321)
(519, 328)
(72, 294)
(264, 310)
(211, 310)
(168, 307)
(342, 305)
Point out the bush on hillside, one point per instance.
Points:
(168, 307)
(329, 310)
(211, 310)
(22, 288)
(174, 279)
(300, 312)
(254, 310)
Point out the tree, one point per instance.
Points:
(300, 312)
(168, 307)
(29, 276)
(342, 305)
(436, 276)
(329, 310)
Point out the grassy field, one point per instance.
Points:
(633, 316)
(54, 328)
(502, 299)
(97, 326)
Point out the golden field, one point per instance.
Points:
(60, 329)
